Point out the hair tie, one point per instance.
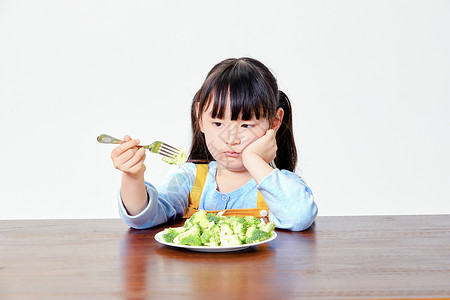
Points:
(283, 100)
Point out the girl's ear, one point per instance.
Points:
(278, 119)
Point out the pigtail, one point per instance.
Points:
(287, 152)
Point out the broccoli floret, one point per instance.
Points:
(230, 240)
(238, 225)
(225, 229)
(240, 228)
(192, 240)
(188, 224)
(179, 159)
(227, 236)
(201, 219)
(170, 234)
(255, 235)
(250, 231)
(269, 227)
(214, 241)
(233, 219)
(212, 233)
(192, 232)
(213, 218)
(250, 220)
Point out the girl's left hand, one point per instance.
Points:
(265, 147)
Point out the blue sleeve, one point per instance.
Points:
(290, 200)
(167, 200)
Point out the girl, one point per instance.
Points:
(242, 157)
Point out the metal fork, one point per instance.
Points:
(155, 147)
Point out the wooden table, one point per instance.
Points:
(368, 257)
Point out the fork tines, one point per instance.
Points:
(167, 150)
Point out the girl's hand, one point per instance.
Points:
(264, 147)
(128, 158)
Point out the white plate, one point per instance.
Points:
(159, 239)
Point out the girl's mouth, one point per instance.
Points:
(231, 154)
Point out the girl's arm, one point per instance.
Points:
(291, 203)
(290, 200)
(257, 155)
(166, 201)
(129, 159)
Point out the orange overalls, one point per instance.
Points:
(261, 210)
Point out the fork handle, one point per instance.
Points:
(107, 139)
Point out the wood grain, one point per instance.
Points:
(367, 257)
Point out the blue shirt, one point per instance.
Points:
(291, 203)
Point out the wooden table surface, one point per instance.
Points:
(367, 257)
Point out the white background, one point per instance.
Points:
(368, 80)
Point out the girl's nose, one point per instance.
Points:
(232, 135)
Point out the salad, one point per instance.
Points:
(208, 229)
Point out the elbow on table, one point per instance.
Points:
(136, 225)
(304, 225)
(303, 220)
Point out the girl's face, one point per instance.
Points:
(226, 139)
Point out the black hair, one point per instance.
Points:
(253, 91)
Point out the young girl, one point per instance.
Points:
(242, 157)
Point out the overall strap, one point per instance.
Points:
(196, 192)
(261, 210)
(199, 183)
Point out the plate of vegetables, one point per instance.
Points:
(208, 232)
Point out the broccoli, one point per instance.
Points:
(250, 231)
(201, 219)
(192, 233)
(238, 225)
(255, 235)
(192, 240)
(250, 220)
(213, 218)
(230, 240)
(214, 241)
(208, 229)
(212, 233)
(179, 159)
(170, 234)
(188, 224)
(269, 227)
(225, 228)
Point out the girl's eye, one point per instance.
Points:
(246, 126)
(217, 124)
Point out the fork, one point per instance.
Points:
(155, 147)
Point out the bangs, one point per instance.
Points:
(245, 88)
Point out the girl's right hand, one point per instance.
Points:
(129, 158)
